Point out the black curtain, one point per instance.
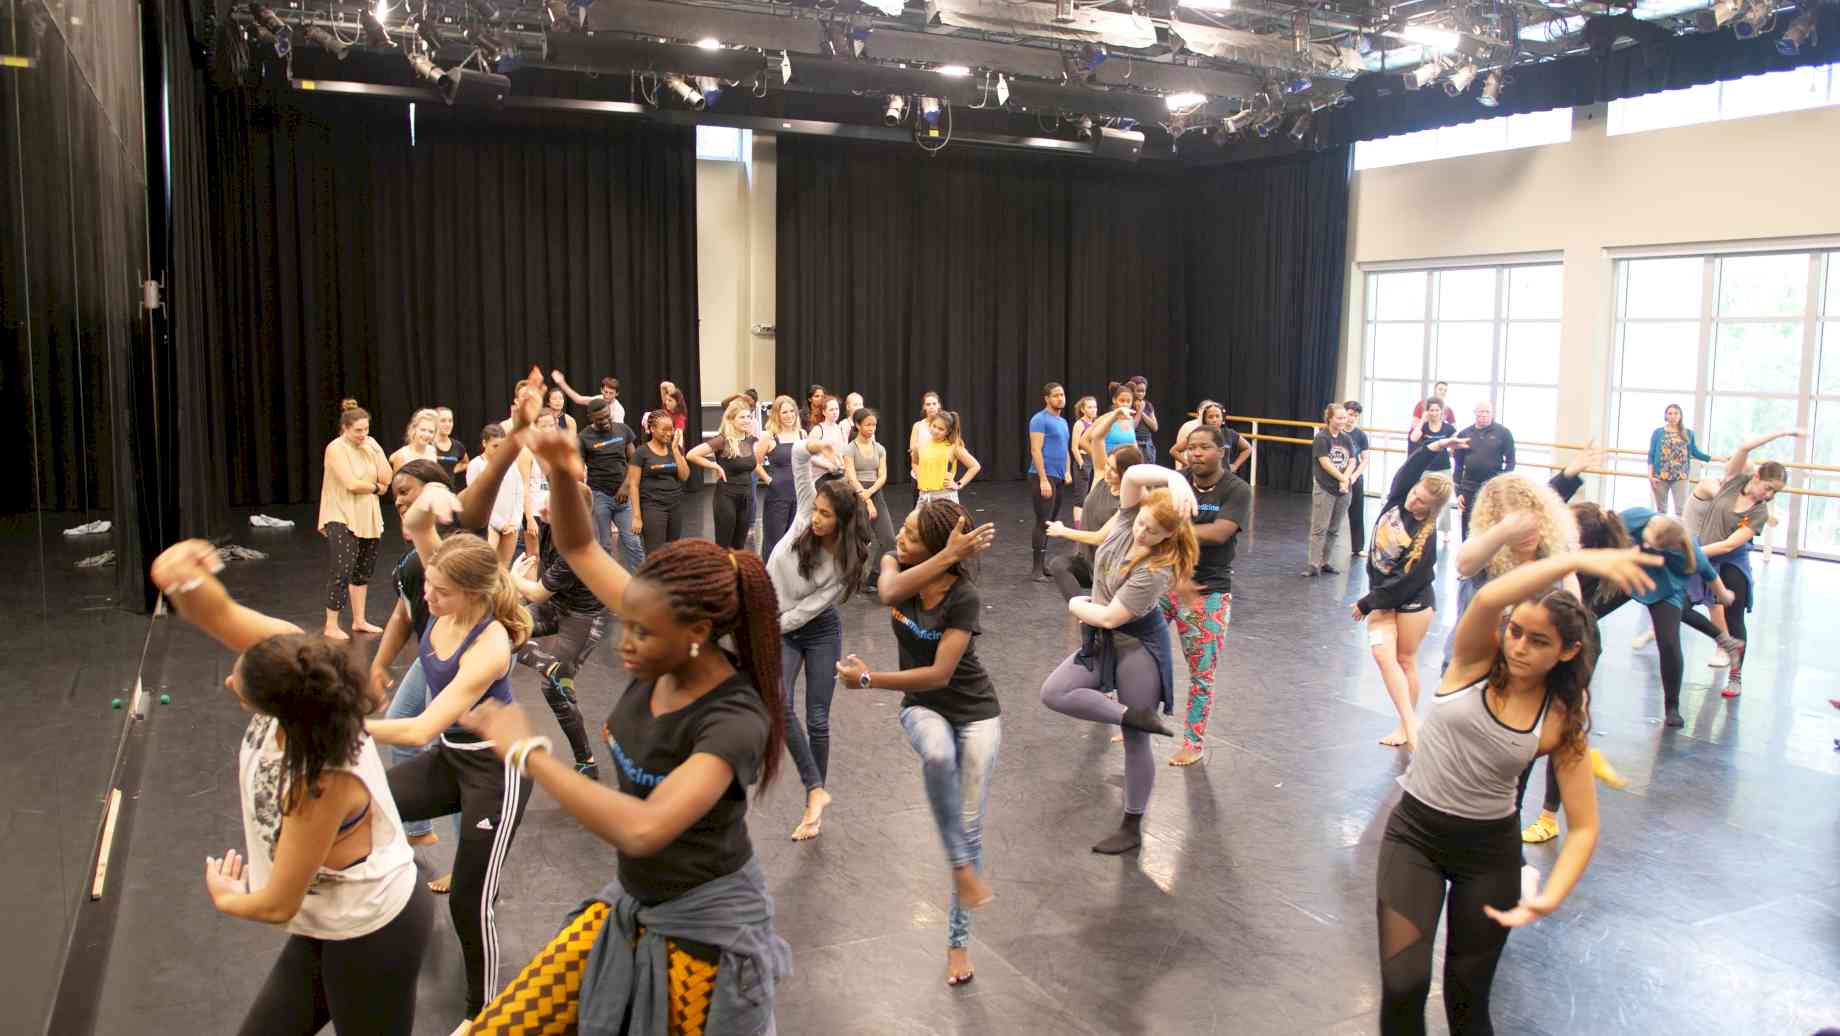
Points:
(984, 274)
(409, 260)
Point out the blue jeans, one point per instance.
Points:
(608, 515)
(410, 699)
(817, 646)
(956, 761)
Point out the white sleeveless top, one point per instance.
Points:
(340, 904)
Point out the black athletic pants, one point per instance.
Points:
(883, 524)
(473, 783)
(1426, 856)
(353, 561)
(1047, 508)
(734, 514)
(1357, 515)
(1072, 574)
(577, 633)
(362, 986)
(664, 522)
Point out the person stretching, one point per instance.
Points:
(561, 606)
(1073, 573)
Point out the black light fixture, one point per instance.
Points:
(326, 41)
(895, 110)
(466, 86)
(1800, 33)
(1084, 128)
(490, 47)
(1460, 79)
(1300, 126)
(1491, 90)
(276, 32)
(424, 66)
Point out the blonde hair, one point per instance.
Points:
(1329, 412)
(1514, 493)
(730, 431)
(424, 414)
(1439, 487)
(1673, 534)
(1179, 552)
(779, 427)
(472, 566)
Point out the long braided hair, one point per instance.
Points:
(729, 589)
(1438, 487)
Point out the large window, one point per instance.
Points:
(1744, 344)
(1491, 332)
(1811, 86)
(1504, 133)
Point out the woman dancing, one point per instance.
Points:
(418, 439)
(949, 709)
(1401, 598)
(1113, 429)
(1671, 453)
(1085, 412)
(938, 475)
(735, 456)
(782, 500)
(685, 932)
(866, 466)
(818, 565)
(663, 469)
(356, 473)
(560, 606)
(1512, 693)
(450, 452)
(557, 403)
(1149, 549)
(1073, 573)
(326, 855)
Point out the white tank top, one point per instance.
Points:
(340, 904)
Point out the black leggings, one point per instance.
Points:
(777, 519)
(1047, 508)
(883, 525)
(1422, 851)
(664, 521)
(1357, 515)
(470, 782)
(1740, 586)
(734, 514)
(353, 561)
(578, 634)
(364, 985)
(1072, 574)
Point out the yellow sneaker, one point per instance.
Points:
(1603, 771)
(1544, 829)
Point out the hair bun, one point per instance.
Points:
(348, 404)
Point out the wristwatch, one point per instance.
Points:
(863, 681)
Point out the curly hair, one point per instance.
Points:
(1514, 493)
(1569, 680)
(730, 590)
(316, 691)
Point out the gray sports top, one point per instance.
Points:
(1469, 762)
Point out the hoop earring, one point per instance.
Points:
(695, 648)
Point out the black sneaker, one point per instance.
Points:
(1331, 570)
(1675, 719)
(590, 770)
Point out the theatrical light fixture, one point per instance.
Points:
(1300, 127)
(1185, 100)
(326, 41)
(895, 110)
(1758, 17)
(484, 10)
(1460, 79)
(1269, 122)
(690, 95)
(929, 111)
(711, 88)
(1422, 76)
(955, 71)
(1239, 121)
(282, 36)
(1491, 90)
(380, 12)
(466, 85)
(374, 32)
(424, 67)
(1724, 11)
(432, 39)
(490, 47)
(1083, 63)
(1800, 33)
(709, 43)
(1084, 128)
(1002, 91)
(1426, 36)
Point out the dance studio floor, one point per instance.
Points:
(1713, 905)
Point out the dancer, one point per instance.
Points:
(418, 439)
(507, 517)
(1212, 415)
(560, 606)
(735, 456)
(671, 401)
(1073, 573)
(450, 452)
(1145, 427)
(949, 706)
(685, 932)
(1333, 458)
(1223, 505)
(1439, 391)
(1512, 693)
(610, 391)
(1401, 597)
(814, 406)
(1428, 426)
(1084, 413)
(325, 850)
(466, 658)
(829, 430)
(663, 469)
(1490, 453)
(1149, 548)
(818, 565)
(607, 447)
(556, 402)
(1049, 461)
(1113, 429)
(356, 473)
(536, 486)
(1671, 453)
(1357, 484)
(782, 500)
(851, 403)
(930, 406)
(938, 475)
(867, 469)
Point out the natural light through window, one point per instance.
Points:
(1506, 133)
(723, 143)
(1811, 86)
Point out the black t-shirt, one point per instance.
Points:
(1357, 438)
(1338, 449)
(1230, 500)
(659, 485)
(410, 576)
(1440, 461)
(738, 466)
(604, 453)
(969, 696)
(564, 586)
(730, 723)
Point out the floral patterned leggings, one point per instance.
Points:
(1204, 633)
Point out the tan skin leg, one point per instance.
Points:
(1396, 654)
(958, 965)
(332, 630)
(358, 623)
(813, 821)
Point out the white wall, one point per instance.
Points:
(735, 271)
(1743, 180)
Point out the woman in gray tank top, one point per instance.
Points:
(1514, 691)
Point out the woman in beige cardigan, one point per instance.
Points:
(356, 474)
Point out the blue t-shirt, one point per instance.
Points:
(1054, 439)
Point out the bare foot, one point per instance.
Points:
(335, 633)
(973, 892)
(1396, 739)
(1118, 738)
(813, 821)
(1187, 755)
(426, 839)
(958, 966)
(365, 627)
(439, 886)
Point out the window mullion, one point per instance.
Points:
(1804, 408)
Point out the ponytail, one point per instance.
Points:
(472, 566)
(508, 608)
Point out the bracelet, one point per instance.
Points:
(521, 749)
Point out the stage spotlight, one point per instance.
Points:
(1300, 126)
(1491, 90)
(690, 95)
(929, 111)
(1800, 33)
(282, 36)
(490, 47)
(425, 29)
(1758, 17)
(711, 88)
(326, 41)
(424, 67)
(1422, 76)
(1239, 121)
(464, 85)
(895, 110)
(375, 34)
(1460, 79)
(1269, 122)
(484, 10)
(1084, 128)
(1723, 11)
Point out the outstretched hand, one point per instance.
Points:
(1627, 569)
(851, 671)
(224, 876)
(1057, 529)
(966, 542)
(184, 565)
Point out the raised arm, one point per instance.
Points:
(897, 584)
(572, 527)
(1410, 472)
(563, 383)
(485, 661)
(1477, 629)
(1740, 458)
(1481, 546)
(1142, 478)
(187, 574)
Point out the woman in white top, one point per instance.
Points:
(418, 439)
(326, 852)
(830, 432)
(355, 474)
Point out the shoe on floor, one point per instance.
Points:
(1603, 771)
(1719, 659)
(1643, 640)
(1675, 719)
(1331, 570)
(1544, 829)
(1734, 686)
(1309, 571)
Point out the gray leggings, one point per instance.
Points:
(1073, 690)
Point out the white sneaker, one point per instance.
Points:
(1643, 640)
(1719, 659)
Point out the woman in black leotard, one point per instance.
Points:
(782, 499)
(659, 512)
(733, 454)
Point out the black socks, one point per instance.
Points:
(1136, 717)
(1040, 572)
(1128, 836)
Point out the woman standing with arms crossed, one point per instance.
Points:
(685, 932)
(326, 853)
(663, 470)
(355, 474)
(866, 466)
(782, 500)
(1671, 453)
(829, 430)
(949, 709)
(937, 477)
(734, 454)
(1332, 462)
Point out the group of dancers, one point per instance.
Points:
(714, 637)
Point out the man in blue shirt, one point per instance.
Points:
(1049, 465)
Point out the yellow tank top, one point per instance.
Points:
(938, 462)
